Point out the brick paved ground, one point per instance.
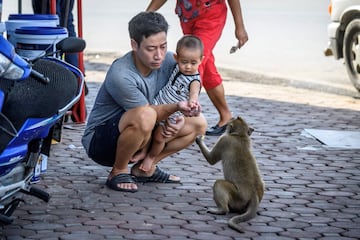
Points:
(312, 191)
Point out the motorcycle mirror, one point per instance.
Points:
(71, 45)
(12, 66)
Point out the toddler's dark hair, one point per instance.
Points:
(190, 41)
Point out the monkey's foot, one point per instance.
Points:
(217, 211)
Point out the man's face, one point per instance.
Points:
(151, 52)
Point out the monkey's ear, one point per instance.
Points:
(250, 131)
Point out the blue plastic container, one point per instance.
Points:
(21, 20)
(31, 42)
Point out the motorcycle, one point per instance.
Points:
(35, 97)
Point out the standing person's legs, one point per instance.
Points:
(65, 13)
(40, 6)
(216, 94)
(209, 28)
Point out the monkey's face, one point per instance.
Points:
(238, 126)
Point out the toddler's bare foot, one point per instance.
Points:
(139, 155)
(145, 166)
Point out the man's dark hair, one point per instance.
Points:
(146, 24)
(190, 41)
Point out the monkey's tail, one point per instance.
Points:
(249, 214)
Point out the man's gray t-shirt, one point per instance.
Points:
(125, 88)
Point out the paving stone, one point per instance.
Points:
(312, 191)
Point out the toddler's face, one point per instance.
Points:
(189, 60)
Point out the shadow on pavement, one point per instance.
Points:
(309, 194)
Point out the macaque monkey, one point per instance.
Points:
(243, 188)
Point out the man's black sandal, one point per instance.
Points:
(121, 178)
(159, 176)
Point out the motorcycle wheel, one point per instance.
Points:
(351, 52)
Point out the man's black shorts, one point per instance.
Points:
(103, 144)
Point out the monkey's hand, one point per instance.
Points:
(199, 139)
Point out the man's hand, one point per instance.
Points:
(171, 128)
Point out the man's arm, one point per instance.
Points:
(240, 32)
(155, 5)
(165, 110)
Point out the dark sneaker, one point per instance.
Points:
(216, 130)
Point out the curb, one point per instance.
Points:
(230, 75)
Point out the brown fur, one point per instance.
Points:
(243, 188)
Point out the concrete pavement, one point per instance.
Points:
(312, 191)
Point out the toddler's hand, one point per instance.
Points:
(195, 107)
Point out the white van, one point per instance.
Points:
(344, 36)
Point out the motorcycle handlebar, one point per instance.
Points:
(66, 45)
(71, 45)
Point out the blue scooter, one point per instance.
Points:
(34, 99)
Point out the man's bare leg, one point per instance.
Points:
(193, 127)
(135, 131)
